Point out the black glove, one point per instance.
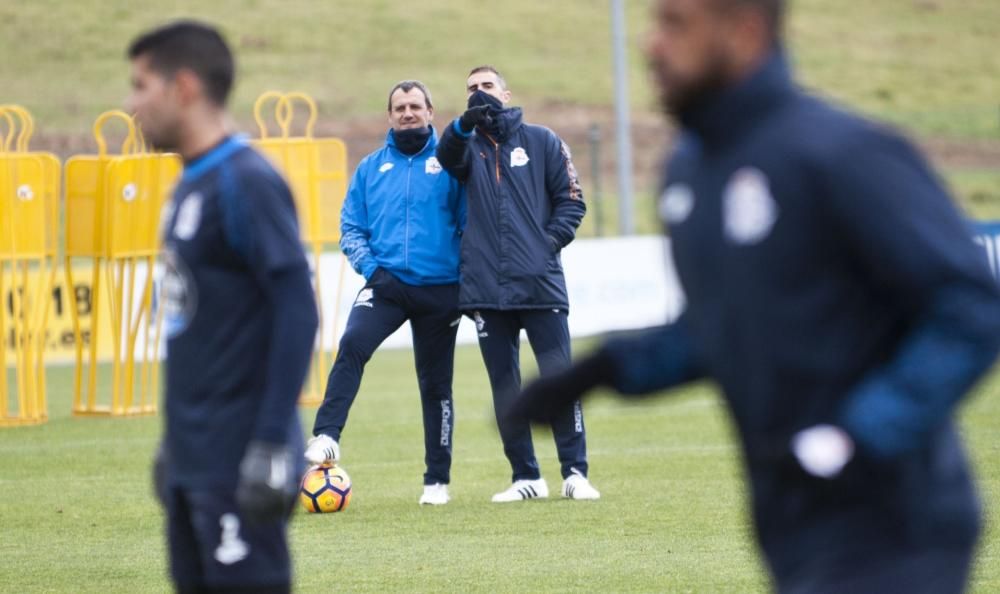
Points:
(160, 473)
(475, 116)
(546, 397)
(268, 482)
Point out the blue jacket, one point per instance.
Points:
(525, 205)
(829, 280)
(405, 214)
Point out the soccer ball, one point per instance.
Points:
(325, 489)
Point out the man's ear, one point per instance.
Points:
(189, 87)
(505, 96)
(748, 35)
(430, 114)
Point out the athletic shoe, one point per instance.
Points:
(522, 490)
(436, 494)
(576, 486)
(322, 449)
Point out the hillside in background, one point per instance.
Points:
(930, 66)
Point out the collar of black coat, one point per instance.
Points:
(390, 140)
(726, 115)
(505, 124)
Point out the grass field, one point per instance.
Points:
(930, 65)
(76, 511)
(77, 514)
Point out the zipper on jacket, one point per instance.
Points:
(500, 234)
(406, 227)
(496, 149)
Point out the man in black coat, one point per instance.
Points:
(524, 206)
(834, 294)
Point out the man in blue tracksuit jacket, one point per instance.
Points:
(525, 205)
(835, 296)
(401, 226)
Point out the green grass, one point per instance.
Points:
(78, 514)
(929, 65)
(978, 191)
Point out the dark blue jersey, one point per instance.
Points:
(240, 315)
(830, 280)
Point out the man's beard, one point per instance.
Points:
(165, 140)
(164, 143)
(688, 95)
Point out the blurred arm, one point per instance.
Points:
(261, 224)
(653, 360)
(913, 245)
(293, 331)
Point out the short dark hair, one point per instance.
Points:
(409, 85)
(773, 11)
(488, 68)
(189, 45)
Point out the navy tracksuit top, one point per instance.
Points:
(829, 279)
(524, 206)
(239, 314)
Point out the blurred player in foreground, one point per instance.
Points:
(401, 226)
(240, 319)
(525, 205)
(833, 293)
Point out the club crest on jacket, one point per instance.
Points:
(519, 157)
(748, 209)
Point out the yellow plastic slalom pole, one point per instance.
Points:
(45, 292)
(27, 388)
(147, 361)
(20, 335)
(4, 403)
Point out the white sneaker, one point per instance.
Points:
(576, 486)
(522, 490)
(322, 449)
(436, 494)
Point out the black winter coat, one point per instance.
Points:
(524, 206)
